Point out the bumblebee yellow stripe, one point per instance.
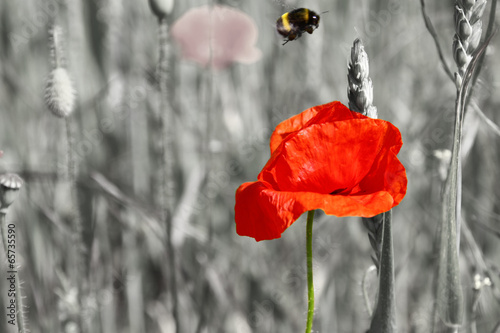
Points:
(286, 22)
(306, 15)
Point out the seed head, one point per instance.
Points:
(360, 87)
(468, 30)
(359, 61)
(59, 93)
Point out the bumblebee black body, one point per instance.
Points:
(292, 25)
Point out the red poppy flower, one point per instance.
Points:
(327, 157)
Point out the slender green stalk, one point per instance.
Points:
(310, 285)
(384, 316)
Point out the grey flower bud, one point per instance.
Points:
(9, 189)
(161, 8)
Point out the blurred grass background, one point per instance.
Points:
(228, 283)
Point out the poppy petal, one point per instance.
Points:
(264, 213)
(387, 173)
(330, 112)
(330, 157)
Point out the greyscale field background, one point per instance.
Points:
(228, 283)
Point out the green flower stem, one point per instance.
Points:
(310, 286)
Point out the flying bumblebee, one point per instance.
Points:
(292, 25)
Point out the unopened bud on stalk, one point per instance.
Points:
(59, 93)
(161, 8)
(9, 189)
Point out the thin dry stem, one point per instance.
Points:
(432, 31)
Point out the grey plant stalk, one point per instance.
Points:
(360, 94)
(10, 184)
(60, 100)
(450, 302)
(164, 153)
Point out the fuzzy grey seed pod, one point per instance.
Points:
(9, 189)
(59, 93)
(161, 8)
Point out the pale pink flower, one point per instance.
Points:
(223, 33)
